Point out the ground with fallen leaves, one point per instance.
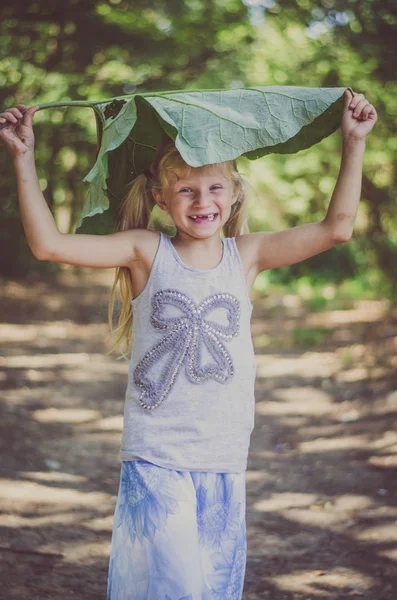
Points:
(321, 478)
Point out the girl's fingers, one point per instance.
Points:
(12, 114)
(359, 107)
(356, 98)
(349, 98)
(28, 117)
(366, 111)
(16, 112)
(9, 116)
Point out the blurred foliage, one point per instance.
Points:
(310, 336)
(99, 49)
(332, 43)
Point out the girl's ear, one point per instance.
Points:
(235, 195)
(158, 196)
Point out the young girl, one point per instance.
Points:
(179, 530)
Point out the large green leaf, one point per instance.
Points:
(208, 126)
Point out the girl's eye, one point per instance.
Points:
(213, 187)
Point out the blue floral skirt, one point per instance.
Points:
(178, 535)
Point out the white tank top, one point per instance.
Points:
(190, 402)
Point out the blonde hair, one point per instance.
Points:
(135, 213)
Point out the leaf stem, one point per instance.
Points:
(92, 103)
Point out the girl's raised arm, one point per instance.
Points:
(271, 249)
(44, 238)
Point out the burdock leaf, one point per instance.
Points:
(208, 126)
(115, 130)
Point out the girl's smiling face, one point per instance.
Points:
(199, 202)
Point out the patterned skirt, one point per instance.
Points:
(178, 535)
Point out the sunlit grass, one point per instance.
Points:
(318, 313)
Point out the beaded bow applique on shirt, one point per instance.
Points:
(186, 336)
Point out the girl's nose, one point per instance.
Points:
(200, 199)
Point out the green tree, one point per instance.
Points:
(332, 43)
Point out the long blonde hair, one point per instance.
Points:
(135, 213)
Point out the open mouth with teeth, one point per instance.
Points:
(203, 218)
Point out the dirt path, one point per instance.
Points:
(322, 486)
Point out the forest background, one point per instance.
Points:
(95, 50)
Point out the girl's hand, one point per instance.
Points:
(359, 117)
(18, 137)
